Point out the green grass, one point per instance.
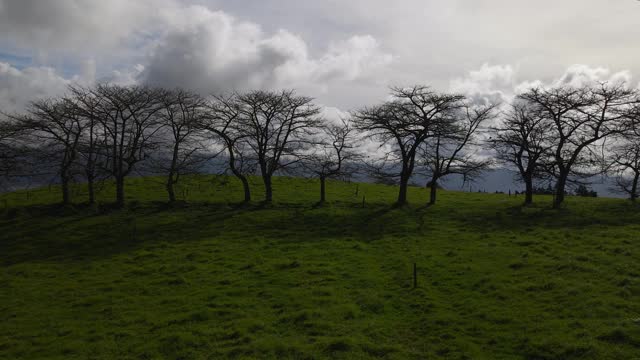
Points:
(209, 279)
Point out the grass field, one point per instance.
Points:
(208, 279)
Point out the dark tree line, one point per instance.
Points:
(560, 135)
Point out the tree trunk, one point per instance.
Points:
(322, 189)
(560, 186)
(91, 190)
(245, 184)
(238, 174)
(172, 171)
(404, 184)
(634, 187)
(246, 188)
(65, 190)
(528, 194)
(170, 189)
(268, 189)
(120, 191)
(433, 190)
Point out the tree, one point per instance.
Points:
(447, 152)
(222, 119)
(276, 127)
(54, 127)
(334, 154)
(9, 152)
(581, 119)
(625, 164)
(402, 125)
(584, 191)
(521, 140)
(128, 116)
(87, 107)
(179, 120)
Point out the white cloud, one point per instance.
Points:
(175, 43)
(353, 58)
(580, 75)
(489, 84)
(18, 87)
(333, 114)
(501, 83)
(124, 77)
(215, 51)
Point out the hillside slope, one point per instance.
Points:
(208, 279)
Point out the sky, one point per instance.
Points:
(345, 53)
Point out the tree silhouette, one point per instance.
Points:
(55, 126)
(522, 140)
(334, 154)
(179, 143)
(402, 125)
(580, 119)
(128, 116)
(276, 127)
(447, 151)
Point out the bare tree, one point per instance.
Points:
(625, 164)
(9, 152)
(334, 154)
(87, 108)
(276, 127)
(404, 124)
(129, 119)
(53, 126)
(222, 119)
(581, 119)
(179, 119)
(447, 151)
(522, 140)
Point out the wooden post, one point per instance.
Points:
(363, 199)
(415, 275)
(357, 189)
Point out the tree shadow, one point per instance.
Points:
(567, 217)
(82, 233)
(41, 234)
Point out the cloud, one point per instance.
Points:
(215, 51)
(333, 114)
(489, 84)
(501, 83)
(580, 75)
(79, 26)
(124, 77)
(175, 43)
(356, 57)
(18, 87)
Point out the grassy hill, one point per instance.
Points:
(208, 279)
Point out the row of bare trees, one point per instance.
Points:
(567, 135)
(561, 135)
(110, 131)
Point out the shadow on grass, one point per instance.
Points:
(79, 233)
(567, 217)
